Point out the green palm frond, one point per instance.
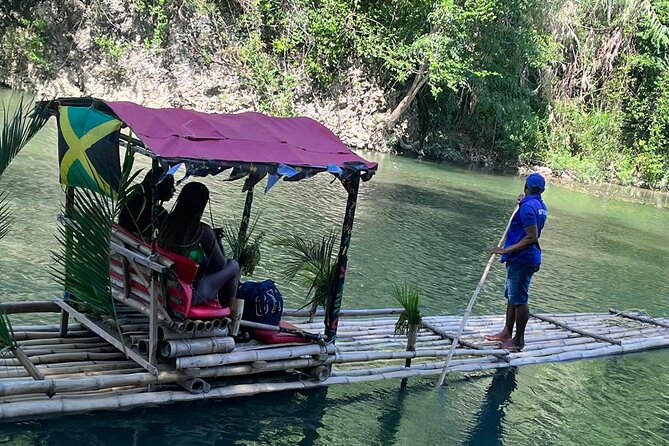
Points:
(315, 263)
(6, 333)
(409, 298)
(245, 248)
(82, 264)
(5, 215)
(21, 120)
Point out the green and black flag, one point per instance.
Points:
(88, 149)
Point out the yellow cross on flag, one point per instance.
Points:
(88, 149)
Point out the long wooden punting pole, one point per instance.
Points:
(333, 305)
(478, 289)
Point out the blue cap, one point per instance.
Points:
(535, 183)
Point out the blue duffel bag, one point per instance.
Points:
(263, 302)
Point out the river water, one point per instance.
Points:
(419, 222)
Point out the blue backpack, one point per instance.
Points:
(263, 302)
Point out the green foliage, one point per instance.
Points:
(245, 248)
(264, 75)
(315, 263)
(112, 50)
(583, 142)
(582, 87)
(156, 12)
(5, 215)
(610, 122)
(6, 333)
(27, 42)
(20, 122)
(82, 264)
(409, 298)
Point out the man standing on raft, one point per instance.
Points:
(522, 255)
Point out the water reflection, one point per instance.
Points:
(489, 419)
(391, 416)
(284, 418)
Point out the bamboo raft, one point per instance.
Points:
(87, 368)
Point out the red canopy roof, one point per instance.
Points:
(246, 137)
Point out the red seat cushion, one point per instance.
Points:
(208, 312)
(277, 337)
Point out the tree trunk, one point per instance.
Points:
(411, 343)
(418, 82)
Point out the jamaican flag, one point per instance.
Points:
(88, 149)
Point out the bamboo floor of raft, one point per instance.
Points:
(83, 372)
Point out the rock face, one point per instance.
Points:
(106, 50)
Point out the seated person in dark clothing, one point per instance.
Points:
(183, 233)
(136, 214)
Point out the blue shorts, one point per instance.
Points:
(518, 278)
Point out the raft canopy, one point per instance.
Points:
(252, 144)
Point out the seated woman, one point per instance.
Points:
(183, 233)
(136, 214)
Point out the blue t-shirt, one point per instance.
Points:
(532, 212)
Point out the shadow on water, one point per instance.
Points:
(270, 418)
(490, 418)
(391, 416)
(461, 202)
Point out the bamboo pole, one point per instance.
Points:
(28, 335)
(63, 385)
(27, 363)
(341, 358)
(144, 250)
(43, 327)
(57, 341)
(194, 347)
(29, 307)
(277, 328)
(72, 369)
(269, 366)
(575, 330)
(422, 366)
(137, 306)
(167, 335)
(89, 346)
(399, 346)
(346, 313)
(196, 386)
(252, 356)
(62, 357)
(237, 309)
(637, 317)
(37, 408)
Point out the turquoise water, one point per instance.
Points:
(431, 225)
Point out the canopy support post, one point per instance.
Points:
(246, 216)
(153, 295)
(69, 204)
(237, 305)
(333, 304)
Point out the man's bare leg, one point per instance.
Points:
(505, 334)
(522, 315)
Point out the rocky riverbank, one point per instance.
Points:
(106, 51)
